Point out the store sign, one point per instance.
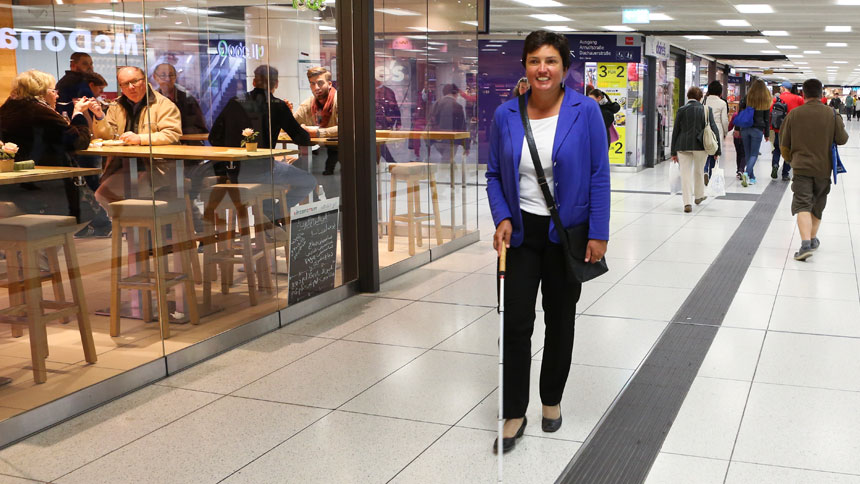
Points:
(253, 51)
(401, 43)
(657, 47)
(77, 40)
(612, 74)
(309, 4)
(393, 72)
(606, 48)
(635, 16)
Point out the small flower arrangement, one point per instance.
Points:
(8, 150)
(249, 136)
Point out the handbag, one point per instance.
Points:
(745, 118)
(674, 178)
(838, 167)
(613, 134)
(709, 138)
(574, 240)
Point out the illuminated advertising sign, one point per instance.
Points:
(77, 40)
(252, 51)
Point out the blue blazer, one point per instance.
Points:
(580, 167)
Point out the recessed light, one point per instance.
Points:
(697, 37)
(837, 44)
(840, 62)
(656, 17)
(559, 28)
(550, 17)
(847, 2)
(540, 3)
(837, 28)
(733, 23)
(811, 51)
(770, 52)
(775, 33)
(327, 27)
(617, 28)
(801, 62)
(754, 8)
(756, 41)
(786, 47)
(795, 56)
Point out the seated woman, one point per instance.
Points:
(30, 120)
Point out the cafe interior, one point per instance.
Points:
(173, 172)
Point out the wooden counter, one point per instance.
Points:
(45, 173)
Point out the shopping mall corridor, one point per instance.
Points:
(400, 386)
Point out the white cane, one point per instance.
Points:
(501, 422)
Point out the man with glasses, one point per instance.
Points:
(189, 109)
(141, 117)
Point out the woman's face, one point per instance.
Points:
(51, 96)
(544, 69)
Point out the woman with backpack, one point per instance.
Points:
(754, 121)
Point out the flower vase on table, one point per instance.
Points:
(7, 156)
(249, 139)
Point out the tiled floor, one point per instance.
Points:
(400, 386)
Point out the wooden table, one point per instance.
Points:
(195, 137)
(45, 173)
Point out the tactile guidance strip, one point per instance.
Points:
(623, 446)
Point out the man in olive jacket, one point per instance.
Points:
(806, 138)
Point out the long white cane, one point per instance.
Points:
(501, 422)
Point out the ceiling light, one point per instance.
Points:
(114, 14)
(754, 8)
(327, 27)
(756, 41)
(550, 17)
(837, 44)
(847, 2)
(811, 51)
(837, 28)
(194, 11)
(795, 56)
(775, 33)
(617, 28)
(103, 21)
(770, 52)
(655, 17)
(559, 28)
(840, 62)
(397, 11)
(733, 23)
(540, 3)
(697, 37)
(801, 62)
(786, 47)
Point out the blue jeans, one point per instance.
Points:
(752, 142)
(776, 154)
(710, 164)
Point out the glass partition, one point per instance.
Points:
(191, 153)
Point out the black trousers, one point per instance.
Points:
(537, 261)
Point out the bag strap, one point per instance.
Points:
(541, 176)
(706, 114)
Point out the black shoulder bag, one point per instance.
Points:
(574, 240)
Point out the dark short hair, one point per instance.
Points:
(715, 88)
(596, 92)
(450, 89)
(540, 38)
(95, 79)
(76, 56)
(812, 89)
(694, 93)
(266, 72)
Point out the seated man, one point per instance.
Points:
(252, 110)
(141, 117)
(318, 114)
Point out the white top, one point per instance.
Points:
(721, 114)
(531, 196)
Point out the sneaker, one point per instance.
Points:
(688, 208)
(706, 179)
(85, 232)
(803, 254)
(738, 176)
(752, 181)
(814, 243)
(745, 180)
(786, 178)
(774, 171)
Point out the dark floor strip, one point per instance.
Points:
(648, 192)
(624, 445)
(744, 197)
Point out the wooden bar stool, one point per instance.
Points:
(412, 173)
(27, 235)
(221, 250)
(153, 218)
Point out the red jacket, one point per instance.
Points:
(791, 101)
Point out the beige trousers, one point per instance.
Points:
(692, 164)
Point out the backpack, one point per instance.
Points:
(745, 118)
(780, 111)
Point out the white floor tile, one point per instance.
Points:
(817, 316)
(465, 455)
(421, 324)
(693, 253)
(463, 260)
(344, 448)
(825, 261)
(206, 446)
(640, 302)
(674, 469)
(482, 336)
(709, 419)
(733, 354)
(592, 291)
(614, 342)
(810, 360)
(332, 375)
(750, 311)
(666, 274)
(759, 280)
(631, 249)
(821, 285)
(418, 283)
(801, 427)
(345, 317)
(438, 387)
(770, 258)
(618, 268)
(472, 290)
(745, 473)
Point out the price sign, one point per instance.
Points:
(611, 74)
(617, 155)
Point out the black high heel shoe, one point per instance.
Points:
(508, 443)
(551, 424)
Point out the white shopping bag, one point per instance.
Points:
(674, 178)
(717, 184)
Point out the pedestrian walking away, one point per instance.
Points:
(720, 108)
(787, 100)
(808, 135)
(688, 148)
(759, 99)
(570, 148)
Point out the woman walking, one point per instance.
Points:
(759, 99)
(688, 149)
(720, 109)
(571, 145)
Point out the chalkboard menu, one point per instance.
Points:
(313, 248)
